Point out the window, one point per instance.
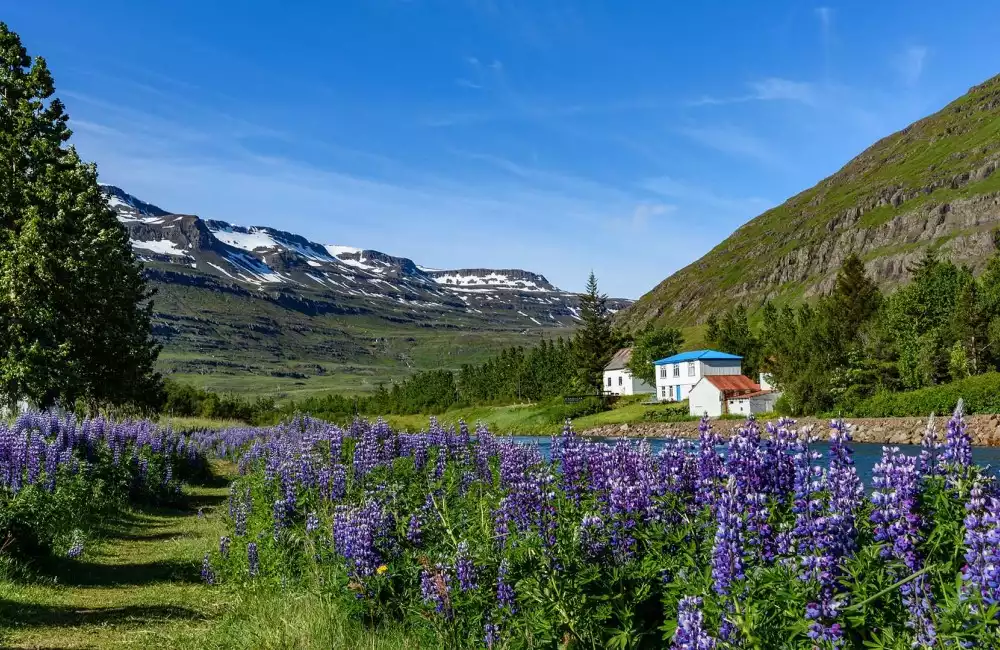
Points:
(663, 392)
(663, 372)
(690, 368)
(619, 380)
(677, 370)
(609, 381)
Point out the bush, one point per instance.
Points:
(61, 480)
(981, 394)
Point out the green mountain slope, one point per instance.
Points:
(931, 185)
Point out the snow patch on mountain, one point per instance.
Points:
(160, 247)
(493, 280)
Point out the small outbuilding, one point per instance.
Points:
(618, 379)
(717, 395)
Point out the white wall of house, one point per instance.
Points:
(621, 382)
(764, 403)
(705, 398)
(674, 381)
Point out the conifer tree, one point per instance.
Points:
(594, 342)
(74, 308)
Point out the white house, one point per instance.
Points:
(717, 395)
(618, 380)
(676, 375)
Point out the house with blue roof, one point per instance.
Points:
(676, 375)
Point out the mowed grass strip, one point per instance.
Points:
(140, 586)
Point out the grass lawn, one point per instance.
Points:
(530, 419)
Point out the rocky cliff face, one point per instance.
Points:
(931, 185)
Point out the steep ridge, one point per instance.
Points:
(931, 185)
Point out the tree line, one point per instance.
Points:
(854, 341)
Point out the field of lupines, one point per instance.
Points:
(472, 540)
(62, 479)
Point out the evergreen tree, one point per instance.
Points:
(855, 296)
(594, 342)
(652, 344)
(74, 308)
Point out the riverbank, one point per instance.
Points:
(984, 429)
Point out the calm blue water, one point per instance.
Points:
(865, 454)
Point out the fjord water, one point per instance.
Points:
(865, 454)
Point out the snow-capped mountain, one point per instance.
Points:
(189, 250)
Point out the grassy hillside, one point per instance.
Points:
(252, 345)
(930, 185)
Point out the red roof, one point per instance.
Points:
(733, 385)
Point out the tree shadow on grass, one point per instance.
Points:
(74, 573)
(21, 615)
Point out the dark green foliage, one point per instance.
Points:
(980, 392)
(185, 400)
(74, 308)
(516, 375)
(595, 340)
(650, 345)
(731, 333)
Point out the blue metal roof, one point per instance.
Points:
(704, 355)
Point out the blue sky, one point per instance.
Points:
(624, 137)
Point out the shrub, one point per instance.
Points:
(981, 394)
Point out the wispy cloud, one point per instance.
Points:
(733, 140)
(702, 199)
(825, 17)
(639, 220)
(910, 64)
(767, 90)
(465, 83)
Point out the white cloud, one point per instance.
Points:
(641, 215)
(767, 90)
(910, 64)
(732, 140)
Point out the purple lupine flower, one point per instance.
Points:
(958, 444)
(506, 599)
(253, 560)
(710, 468)
(207, 574)
(779, 450)
(312, 522)
(728, 551)
(224, 543)
(491, 634)
(465, 569)
(75, 551)
(690, 633)
(280, 512)
(897, 527)
(592, 536)
(930, 449)
(435, 587)
(982, 544)
(442, 462)
(363, 536)
(413, 530)
(567, 450)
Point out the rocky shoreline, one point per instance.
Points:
(984, 429)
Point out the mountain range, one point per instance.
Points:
(929, 186)
(261, 301)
